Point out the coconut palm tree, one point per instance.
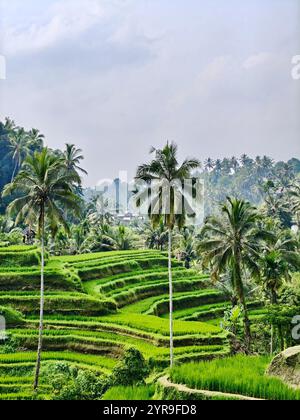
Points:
(156, 236)
(35, 138)
(231, 244)
(279, 258)
(187, 249)
(294, 194)
(209, 164)
(19, 148)
(45, 191)
(118, 238)
(163, 195)
(73, 157)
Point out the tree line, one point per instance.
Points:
(249, 248)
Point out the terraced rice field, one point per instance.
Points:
(98, 305)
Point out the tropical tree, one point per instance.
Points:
(19, 148)
(35, 138)
(279, 258)
(164, 196)
(187, 248)
(118, 238)
(72, 157)
(294, 193)
(209, 164)
(156, 236)
(231, 244)
(45, 190)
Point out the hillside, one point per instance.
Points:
(97, 305)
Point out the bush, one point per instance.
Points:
(73, 384)
(133, 369)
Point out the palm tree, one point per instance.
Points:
(9, 124)
(279, 259)
(157, 236)
(231, 243)
(45, 191)
(72, 158)
(294, 193)
(209, 164)
(118, 238)
(234, 163)
(188, 246)
(35, 138)
(19, 148)
(163, 179)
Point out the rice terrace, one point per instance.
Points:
(149, 203)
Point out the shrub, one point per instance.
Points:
(72, 384)
(132, 370)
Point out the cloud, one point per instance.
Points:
(258, 60)
(116, 76)
(62, 21)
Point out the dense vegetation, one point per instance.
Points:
(96, 294)
(237, 375)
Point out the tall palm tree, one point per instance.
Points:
(72, 158)
(231, 244)
(294, 194)
(19, 148)
(163, 179)
(35, 138)
(234, 163)
(280, 257)
(209, 164)
(45, 191)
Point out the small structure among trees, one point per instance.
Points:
(28, 236)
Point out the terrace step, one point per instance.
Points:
(166, 388)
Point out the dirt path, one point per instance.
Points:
(210, 394)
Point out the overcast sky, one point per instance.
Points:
(117, 76)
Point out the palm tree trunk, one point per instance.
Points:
(280, 332)
(171, 299)
(241, 294)
(42, 301)
(247, 326)
(14, 172)
(272, 340)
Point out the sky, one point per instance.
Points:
(118, 76)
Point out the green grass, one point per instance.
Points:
(101, 363)
(60, 302)
(242, 375)
(138, 393)
(108, 342)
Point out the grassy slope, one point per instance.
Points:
(243, 375)
(138, 281)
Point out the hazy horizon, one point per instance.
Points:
(117, 76)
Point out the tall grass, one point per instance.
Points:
(138, 393)
(242, 375)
